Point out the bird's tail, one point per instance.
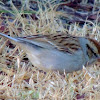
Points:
(9, 37)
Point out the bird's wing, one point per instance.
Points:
(62, 42)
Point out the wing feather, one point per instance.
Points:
(63, 42)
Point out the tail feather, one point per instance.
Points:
(9, 37)
(27, 41)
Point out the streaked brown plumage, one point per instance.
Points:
(58, 51)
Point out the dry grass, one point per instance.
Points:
(19, 80)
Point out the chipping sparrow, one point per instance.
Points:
(58, 52)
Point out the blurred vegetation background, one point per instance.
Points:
(19, 79)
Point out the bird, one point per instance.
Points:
(58, 52)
